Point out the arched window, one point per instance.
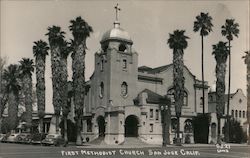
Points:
(240, 113)
(170, 94)
(188, 128)
(122, 48)
(101, 90)
(236, 113)
(124, 64)
(173, 124)
(232, 113)
(102, 65)
(124, 89)
(244, 114)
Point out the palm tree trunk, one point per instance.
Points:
(12, 110)
(64, 95)
(178, 87)
(40, 88)
(27, 82)
(78, 136)
(220, 92)
(202, 72)
(78, 66)
(41, 125)
(168, 122)
(227, 133)
(218, 136)
(178, 140)
(65, 130)
(57, 124)
(56, 81)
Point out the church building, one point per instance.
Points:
(122, 98)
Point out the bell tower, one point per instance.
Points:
(116, 67)
(115, 80)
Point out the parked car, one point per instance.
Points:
(37, 138)
(13, 138)
(2, 137)
(24, 138)
(53, 139)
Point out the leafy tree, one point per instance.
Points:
(56, 39)
(220, 52)
(237, 135)
(27, 68)
(178, 42)
(80, 30)
(230, 29)
(3, 95)
(40, 51)
(203, 24)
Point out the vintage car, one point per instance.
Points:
(13, 138)
(2, 137)
(24, 138)
(53, 139)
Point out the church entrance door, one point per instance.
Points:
(131, 126)
(101, 126)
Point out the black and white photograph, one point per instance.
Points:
(124, 78)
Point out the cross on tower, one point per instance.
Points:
(117, 8)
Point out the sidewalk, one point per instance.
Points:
(130, 146)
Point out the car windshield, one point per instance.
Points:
(50, 136)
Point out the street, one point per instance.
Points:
(8, 150)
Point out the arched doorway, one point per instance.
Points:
(101, 126)
(131, 126)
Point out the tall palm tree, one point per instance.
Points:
(56, 38)
(203, 24)
(27, 68)
(65, 50)
(178, 42)
(40, 51)
(230, 29)
(247, 62)
(220, 52)
(80, 30)
(10, 75)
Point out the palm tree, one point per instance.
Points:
(229, 30)
(56, 38)
(27, 68)
(220, 52)
(40, 50)
(204, 24)
(65, 50)
(247, 62)
(10, 76)
(177, 41)
(80, 30)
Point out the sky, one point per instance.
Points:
(148, 23)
